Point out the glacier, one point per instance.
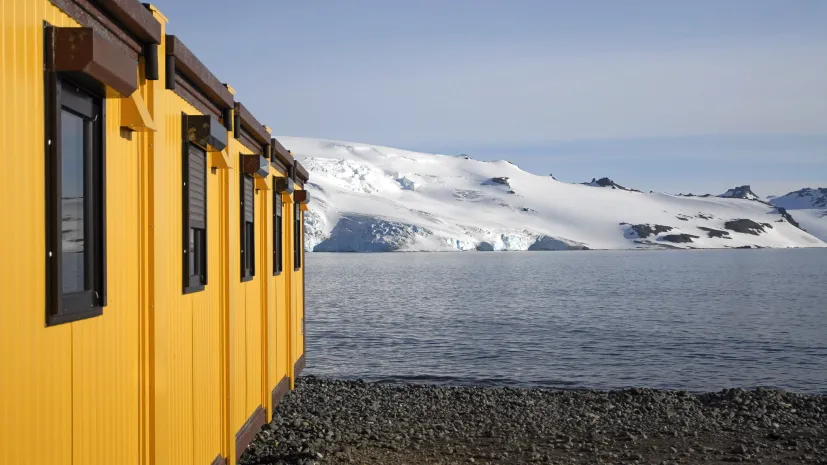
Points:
(369, 198)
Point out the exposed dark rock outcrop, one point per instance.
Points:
(740, 192)
(746, 226)
(645, 230)
(679, 238)
(498, 181)
(606, 182)
(786, 215)
(715, 233)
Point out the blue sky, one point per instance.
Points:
(674, 96)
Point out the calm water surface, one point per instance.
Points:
(693, 320)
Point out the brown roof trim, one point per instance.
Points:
(191, 95)
(92, 15)
(135, 17)
(202, 79)
(301, 172)
(83, 51)
(247, 140)
(250, 124)
(281, 153)
(280, 167)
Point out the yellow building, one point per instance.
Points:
(152, 283)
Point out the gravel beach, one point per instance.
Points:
(329, 422)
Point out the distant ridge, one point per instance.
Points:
(368, 198)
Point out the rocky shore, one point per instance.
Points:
(331, 422)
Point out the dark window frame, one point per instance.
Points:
(298, 233)
(278, 232)
(247, 244)
(64, 95)
(193, 282)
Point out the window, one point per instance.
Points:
(194, 200)
(297, 236)
(248, 233)
(277, 239)
(76, 223)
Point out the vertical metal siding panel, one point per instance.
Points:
(105, 348)
(282, 296)
(299, 289)
(163, 429)
(271, 356)
(36, 377)
(226, 306)
(291, 278)
(254, 320)
(181, 308)
(283, 322)
(174, 387)
(238, 315)
(206, 341)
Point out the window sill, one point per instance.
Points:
(54, 320)
(194, 289)
(245, 279)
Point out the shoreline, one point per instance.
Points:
(328, 421)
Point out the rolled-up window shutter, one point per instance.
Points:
(248, 199)
(198, 188)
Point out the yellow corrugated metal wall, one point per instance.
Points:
(161, 378)
(277, 320)
(36, 374)
(298, 293)
(246, 317)
(187, 328)
(70, 393)
(238, 315)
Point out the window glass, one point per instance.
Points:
(73, 202)
(193, 254)
(250, 256)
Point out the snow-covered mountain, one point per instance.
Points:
(808, 207)
(371, 198)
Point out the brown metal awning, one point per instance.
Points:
(301, 197)
(255, 165)
(206, 131)
(84, 53)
